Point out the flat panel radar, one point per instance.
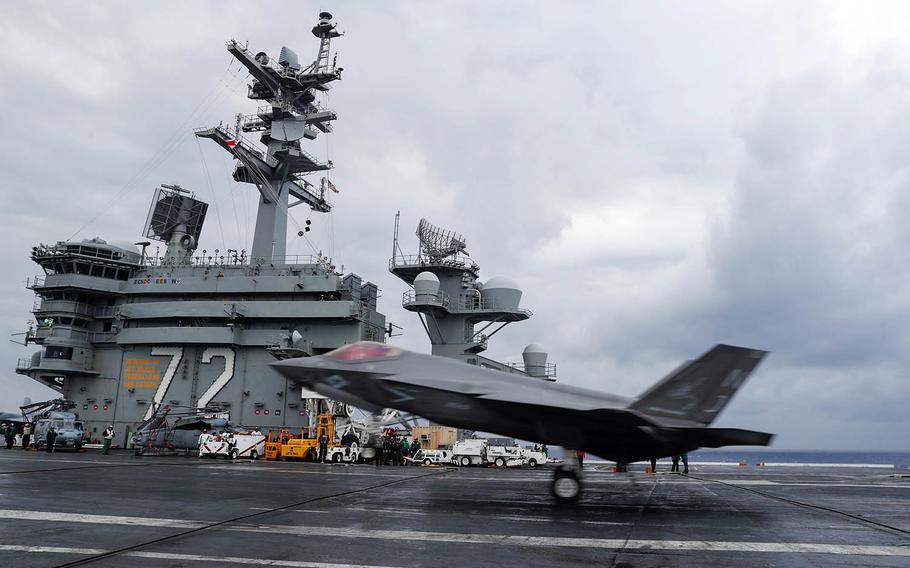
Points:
(438, 243)
(175, 212)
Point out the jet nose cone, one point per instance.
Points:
(305, 369)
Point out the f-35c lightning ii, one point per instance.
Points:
(670, 418)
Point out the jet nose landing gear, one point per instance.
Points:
(566, 486)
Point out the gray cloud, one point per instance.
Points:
(658, 178)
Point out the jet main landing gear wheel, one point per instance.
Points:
(566, 486)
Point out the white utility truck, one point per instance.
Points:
(431, 457)
(470, 452)
(343, 454)
(532, 458)
(232, 445)
(505, 456)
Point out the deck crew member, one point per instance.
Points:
(685, 460)
(405, 447)
(323, 447)
(108, 436)
(580, 454)
(50, 440)
(653, 465)
(26, 435)
(378, 446)
(675, 467)
(10, 436)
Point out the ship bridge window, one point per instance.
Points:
(97, 270)
(83, 268)
(58, 352)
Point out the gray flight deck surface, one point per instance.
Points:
(80, 505)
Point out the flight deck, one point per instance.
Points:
(70, 509)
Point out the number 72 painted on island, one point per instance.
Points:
(176, 355)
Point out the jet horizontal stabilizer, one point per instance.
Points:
(718, 437)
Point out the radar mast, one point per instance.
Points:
(458, 311)
(291, 115)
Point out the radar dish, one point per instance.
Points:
(173, 211)
(438, 243)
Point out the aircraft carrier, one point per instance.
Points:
(124, 330)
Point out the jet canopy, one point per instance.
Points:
(364, 350)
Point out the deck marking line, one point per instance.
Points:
(240, 560)
(470, 538)
(616, 543)
(185, 557)
(97, 519)
(48, 549)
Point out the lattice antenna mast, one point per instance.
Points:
(438, 243)
(325, 31)
(290, 116)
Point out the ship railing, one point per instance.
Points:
(88, 250)
(67, 306)
(238, 260)
(419, 260)
(35, 282)
(546, 370)
(102, 336)
(104, 311)
(412, 298)
(481, 304)
(44, 330)
(232, 133)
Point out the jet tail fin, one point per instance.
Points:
(700, 389)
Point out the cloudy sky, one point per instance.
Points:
(658, 177)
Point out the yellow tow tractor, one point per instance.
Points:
(283, 444)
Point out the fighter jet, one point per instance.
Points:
(670, 418)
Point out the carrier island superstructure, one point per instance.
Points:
(124, 330)
(458, 311)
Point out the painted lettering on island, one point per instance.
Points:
(154, 281)
(141, 372)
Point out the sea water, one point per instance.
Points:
(854, 458)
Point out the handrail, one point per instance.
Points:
(229, 260)
(88, 250)
(410, 260)
(439, 298)
(481, 304)
(549, 369)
